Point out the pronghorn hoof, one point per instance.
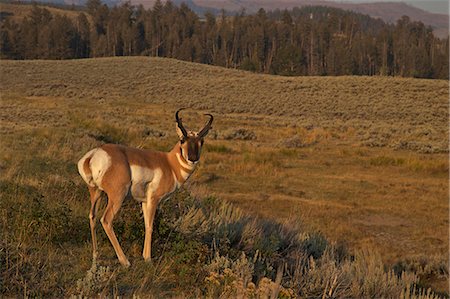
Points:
(125, 263)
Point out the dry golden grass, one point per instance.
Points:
(393, 198)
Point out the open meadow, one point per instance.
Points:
(337, 185)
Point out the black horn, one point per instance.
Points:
(207, 127)
(179, 123)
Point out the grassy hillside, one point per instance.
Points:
(395, 112)
(333, 181)
(17, 12)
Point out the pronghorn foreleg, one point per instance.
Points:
(114, 203)
(149, 211)
(95, 194)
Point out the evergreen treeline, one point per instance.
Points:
(303, 41)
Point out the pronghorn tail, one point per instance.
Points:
(84, 168)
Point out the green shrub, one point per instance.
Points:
(96, 280)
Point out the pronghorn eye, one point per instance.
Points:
(182, 141)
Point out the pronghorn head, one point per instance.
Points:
(191, 142)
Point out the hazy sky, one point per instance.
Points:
(435, 6)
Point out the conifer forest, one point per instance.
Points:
(313, 40)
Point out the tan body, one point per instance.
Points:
(145, 175)
(119, 171)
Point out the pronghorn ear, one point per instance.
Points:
(179, 132)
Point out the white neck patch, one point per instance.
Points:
(189, 165)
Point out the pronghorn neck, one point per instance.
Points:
(181, 168)
(185, 164)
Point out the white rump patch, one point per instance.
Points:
(100, 163)
(86, 177)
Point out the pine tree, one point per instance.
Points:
(82, 46)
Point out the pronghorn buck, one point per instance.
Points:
(145, 175)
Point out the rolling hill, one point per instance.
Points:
(16, 12)
(305, 183)
(399, 105)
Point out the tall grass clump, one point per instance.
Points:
(413, 293)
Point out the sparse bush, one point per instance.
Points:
(238, 134)
(149, 132)
(314, 244)
(384, 160)
(305, 137)
(322, 278)
(370, 278)
(96, 279)
(102, 130)
(421, 147)
(424, 266)
(295, 142)
(364, 277)
(234, 278)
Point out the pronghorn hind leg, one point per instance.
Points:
(114, 204)
(149, 211)
(95, 194)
